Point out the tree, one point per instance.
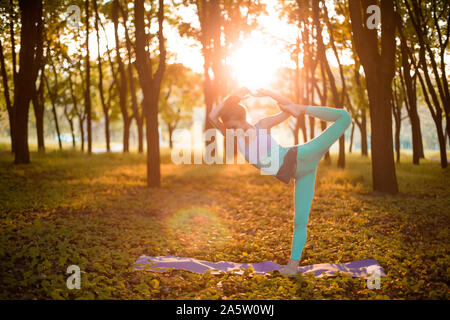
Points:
(9, 105)
(429, 22)
(358, 109)
(397, 97)
(180, 92)
(87, 95)
(29, 62)
(379, 70)
(408, 84)
(122, 82)
(137, 112)
(150, 84)
(53, 98)
(39, 107)
(105, 106)
(338, 98)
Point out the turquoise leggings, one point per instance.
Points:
(308, 156)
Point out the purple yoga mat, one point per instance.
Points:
(361, 268)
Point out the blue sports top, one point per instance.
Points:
(259, 151)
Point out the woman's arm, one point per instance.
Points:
(272, 121)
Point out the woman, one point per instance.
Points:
(299, 162)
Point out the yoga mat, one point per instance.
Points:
(161, 263)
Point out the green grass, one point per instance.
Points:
(96, 212)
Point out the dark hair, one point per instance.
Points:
(233, 110)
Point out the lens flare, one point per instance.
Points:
(254, 64)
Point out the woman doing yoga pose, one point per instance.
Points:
(298, 162)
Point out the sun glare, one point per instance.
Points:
(254, 64)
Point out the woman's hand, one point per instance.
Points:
(261, 93)
(268, 93)
(242, 92)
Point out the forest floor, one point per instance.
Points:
(96, 212)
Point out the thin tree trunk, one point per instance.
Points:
(396, 112)
(122, 80)
(416, 17)
(170, 129)
(88, 83)
(79, 113)
(70, 121)
(38, 106)
(351, 138)
(411, 97)
(338, 99)
(55, 115)
(134, 104)
(437, 118)
(363, 130)
(100, 79)
(9, 106)
(323, 102)
(81, 124)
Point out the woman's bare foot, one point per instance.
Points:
(295, 109)
(291, 268)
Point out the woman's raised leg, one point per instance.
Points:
(309, 155)
(320, 145)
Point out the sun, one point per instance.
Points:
(254, 64)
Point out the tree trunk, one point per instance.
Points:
(381, 127)
(151, 85)
(338, 98)
(126, 135)
(420, 26)
(302, 124)
(134, 104)
(170, 129)
(363, 132)
(411, 97)
(209, 14)
(122, 80)
(88, 83)
(397, 114)
(105, 107)
(379, 71)
(9, 106)
(72, 132)
(29, 58)
(79, 113)
(351, 138)
(81, 123)
(312, 122)
(55, 115)
(437, 118)
(442, 144)
(140, 126)
(323, 102)
(38, 107)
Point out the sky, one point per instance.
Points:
(261, 46)
(251, 58)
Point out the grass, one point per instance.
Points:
(96, 212)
